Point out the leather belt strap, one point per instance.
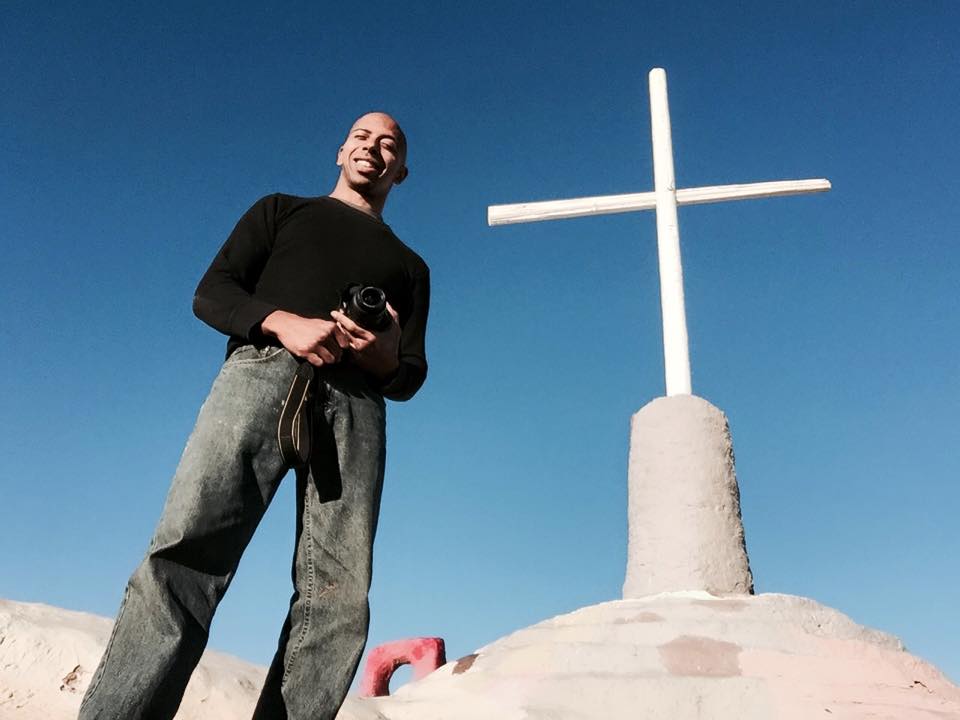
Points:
(294, 430)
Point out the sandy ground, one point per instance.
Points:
(47, 656)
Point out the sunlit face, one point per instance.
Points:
(372, 158)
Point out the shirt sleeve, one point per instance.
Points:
(225, 297)
(413, 356)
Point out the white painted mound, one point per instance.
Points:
(680, 656)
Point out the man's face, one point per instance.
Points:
(372, 158)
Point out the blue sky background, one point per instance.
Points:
(825, 326)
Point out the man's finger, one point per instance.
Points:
(342, 336)
(393, 313)
(313, 359)
(350, 326)
(359, 345)
(324, 353)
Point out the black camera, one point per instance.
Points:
(366, 305)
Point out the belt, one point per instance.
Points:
(294, 429)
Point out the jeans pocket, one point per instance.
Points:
(253, 354)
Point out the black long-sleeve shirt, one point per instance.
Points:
(298, 254)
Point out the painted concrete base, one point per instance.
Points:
(681, 656)
(685, 531)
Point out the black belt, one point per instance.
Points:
(295, 427)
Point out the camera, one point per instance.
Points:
(366, 305)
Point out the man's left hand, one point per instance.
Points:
(375, 352)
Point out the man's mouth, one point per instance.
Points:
(365, 165)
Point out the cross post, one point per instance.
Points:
(664, 199)
(676, 346)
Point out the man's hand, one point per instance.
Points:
(375, 352)
(319, 342)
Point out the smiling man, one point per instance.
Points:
(274, 288)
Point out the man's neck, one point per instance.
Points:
(346, 194)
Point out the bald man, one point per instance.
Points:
(274, 288)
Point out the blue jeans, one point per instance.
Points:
(230, 470)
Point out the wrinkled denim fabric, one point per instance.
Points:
(230, 469)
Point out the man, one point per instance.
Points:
(273, 288)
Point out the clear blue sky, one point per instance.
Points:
(826, 326)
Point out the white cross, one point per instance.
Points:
(665, 198)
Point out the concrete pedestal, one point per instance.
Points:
(685, 531)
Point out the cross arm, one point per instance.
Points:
(610, 204)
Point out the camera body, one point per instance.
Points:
(366, 305)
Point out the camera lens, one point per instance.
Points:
(371, 299)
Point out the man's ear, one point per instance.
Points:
(401, 176)
(340, 156)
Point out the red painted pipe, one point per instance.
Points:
(425, 654)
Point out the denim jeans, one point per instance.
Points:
(229, 471)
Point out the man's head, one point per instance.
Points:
(373, 157)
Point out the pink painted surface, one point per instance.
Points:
(425, 654)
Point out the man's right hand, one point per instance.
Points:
(319, 342)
